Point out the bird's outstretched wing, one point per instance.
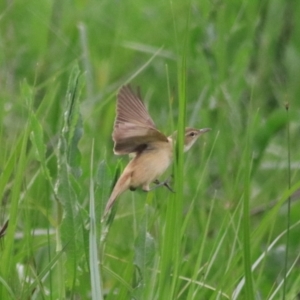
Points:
(134, 129)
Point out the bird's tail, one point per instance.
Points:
(121, 186)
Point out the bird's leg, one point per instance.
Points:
(163, 183)
(167, 184)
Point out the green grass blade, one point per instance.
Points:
(93, 247)
(7, 260)
(284, 292)
(70, 232)
(249, 291)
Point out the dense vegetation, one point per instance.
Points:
(233, 66)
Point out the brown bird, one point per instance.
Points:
(135, 133)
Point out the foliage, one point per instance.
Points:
(231, 66)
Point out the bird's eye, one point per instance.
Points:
(192, 133)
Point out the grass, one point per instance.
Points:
(224, 233)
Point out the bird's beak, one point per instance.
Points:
(203, 130)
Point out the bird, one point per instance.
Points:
(136, 134)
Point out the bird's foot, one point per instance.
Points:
(164, 183)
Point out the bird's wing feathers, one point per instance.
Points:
(134, 129)
(131, 109)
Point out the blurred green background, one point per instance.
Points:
(242, 68)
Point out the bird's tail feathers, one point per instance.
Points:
(121, 186)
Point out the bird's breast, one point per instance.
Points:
(151, 163)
